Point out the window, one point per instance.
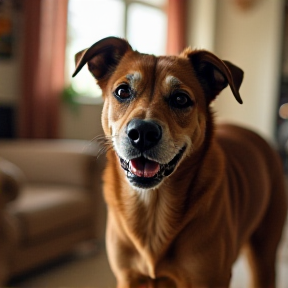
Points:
(143, 23)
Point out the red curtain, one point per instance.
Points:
(45, 23)
(177, 26)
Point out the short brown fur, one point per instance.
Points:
(226, 192)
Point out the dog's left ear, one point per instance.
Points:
(215, 74)
(102, 57)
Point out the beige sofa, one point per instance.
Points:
(50, 201)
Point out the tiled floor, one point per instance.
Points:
(93, 271)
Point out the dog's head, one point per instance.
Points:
(155, 108)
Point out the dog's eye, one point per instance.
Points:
(123, 92)
(180, 100)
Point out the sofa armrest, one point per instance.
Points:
(11, 180)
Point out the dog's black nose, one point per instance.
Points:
(143, 134)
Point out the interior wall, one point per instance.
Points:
(201, 24)
(251, 39)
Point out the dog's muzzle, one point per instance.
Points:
(143, 136)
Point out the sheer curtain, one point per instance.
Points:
(177, 26)
(42, 72)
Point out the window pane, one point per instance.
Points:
(88, 22)
(147, 28)
(159, 3)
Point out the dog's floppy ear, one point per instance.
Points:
(215, 74)
(102, 57)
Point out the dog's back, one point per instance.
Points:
(253, 167)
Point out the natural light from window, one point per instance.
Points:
(92, 20)
(145, 29)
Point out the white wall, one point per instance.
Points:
(252, 40)
(201, 24)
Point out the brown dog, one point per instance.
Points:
(183, 197)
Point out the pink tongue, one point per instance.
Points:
(144, 168)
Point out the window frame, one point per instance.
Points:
(127, 3)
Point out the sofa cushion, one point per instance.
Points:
(43, 211)
(55, 161)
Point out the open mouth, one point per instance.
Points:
(145, 173)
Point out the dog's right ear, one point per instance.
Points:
(214, 73)
(102, 57)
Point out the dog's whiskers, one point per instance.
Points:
(105, 143)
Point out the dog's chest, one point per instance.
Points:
(151, 223)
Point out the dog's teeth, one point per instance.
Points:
(124, 164)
